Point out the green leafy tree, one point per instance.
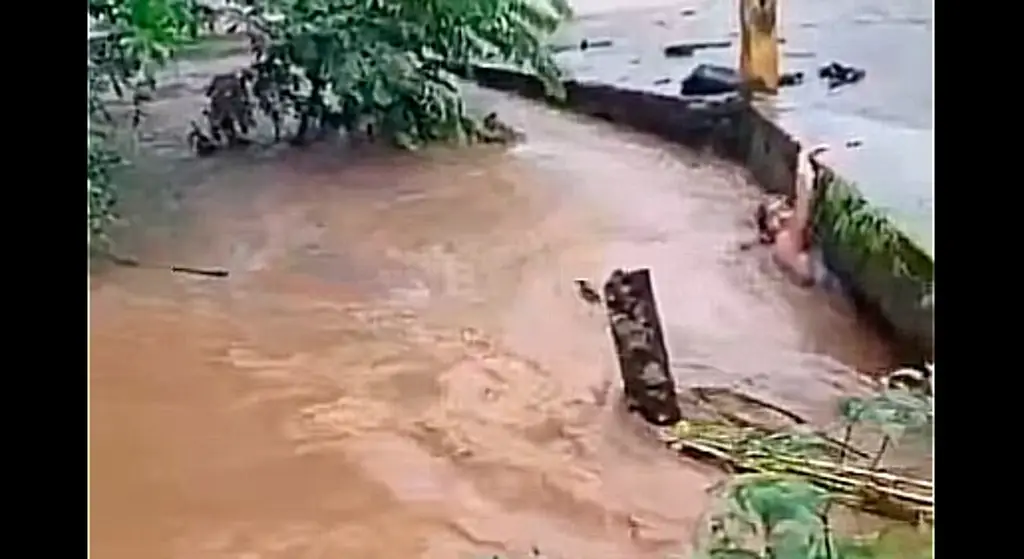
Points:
(129, 40)
(385, 67)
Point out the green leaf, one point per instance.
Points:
(773, 499)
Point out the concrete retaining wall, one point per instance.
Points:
(891, 282)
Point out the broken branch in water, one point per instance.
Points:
(135, 263)
(706, 393)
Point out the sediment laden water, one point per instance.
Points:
(398, 365)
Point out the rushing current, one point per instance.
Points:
(399, 365)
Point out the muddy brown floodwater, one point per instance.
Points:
(398, 365)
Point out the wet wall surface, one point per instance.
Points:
(888, 114)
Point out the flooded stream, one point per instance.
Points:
(399, 366)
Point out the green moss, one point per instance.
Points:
(842, 217)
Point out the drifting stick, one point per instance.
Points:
(133, 263)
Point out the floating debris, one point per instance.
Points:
(587, 292)
(838, 74)
(600, 43)
(747, 449)
(687, 49)
(791, 78)
(130, 262)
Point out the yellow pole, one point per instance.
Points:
(759, 45)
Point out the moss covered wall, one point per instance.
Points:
(874, 259)
(891, 278)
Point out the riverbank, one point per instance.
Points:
(880, 129)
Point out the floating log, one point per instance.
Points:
(640, 345)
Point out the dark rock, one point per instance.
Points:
(687, 13)
(583, 45)
(676, 51)
(838, 74)
(792, 78)
(708, 79)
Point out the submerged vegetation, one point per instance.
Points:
(788, 486)
(378, 68)
(381, 69)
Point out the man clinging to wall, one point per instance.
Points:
(784, 224)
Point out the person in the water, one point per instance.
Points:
(784, 224)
